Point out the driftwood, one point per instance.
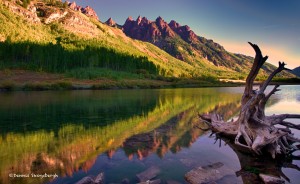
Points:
(253, 130)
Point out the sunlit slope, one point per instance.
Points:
(91, 43)
(64, 37)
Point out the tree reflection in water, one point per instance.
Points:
(74, 150)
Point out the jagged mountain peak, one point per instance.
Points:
(110, 22)
(129, 18)
(139, 19)
(174, 25)
(181, 42)
(146, 30)
(159, 18)
(88, 11)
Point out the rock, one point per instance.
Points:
(148, 174)
(90, 179)
(174, 25)
(110, 22)
(90, 12)
(268, 179)
(158, 181)
(207, 174)
(86, 180)
(146, 30)
(79, 24)
(184, 32)
(73, 6)
(99, 178)
(29, 14)
(55, 16)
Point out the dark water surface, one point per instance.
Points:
(121, 133)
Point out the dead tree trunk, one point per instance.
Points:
(253, 130)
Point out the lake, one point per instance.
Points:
(122, 133)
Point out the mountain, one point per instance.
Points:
(184, 44)
(88, 11)
(110, 22)
(58, 38)
(64, 37)
(296, 71)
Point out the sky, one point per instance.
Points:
(274, 25)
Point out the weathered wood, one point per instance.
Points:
(253, 130)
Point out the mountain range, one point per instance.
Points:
(296, 71)
(174, 50)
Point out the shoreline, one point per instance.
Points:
(24, 80)
(61, 86)
(116, 85)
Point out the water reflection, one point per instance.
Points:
(119, 133)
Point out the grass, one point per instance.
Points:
(101, 73)
(7, 85)
(108, 55)
(41, 86)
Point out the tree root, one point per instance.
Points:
(253, 130)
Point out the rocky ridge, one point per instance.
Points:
(88, 11)
(110, 22)
(176, 40)
(296, 71)
(29, 13)
(183, 43)
(179, 41)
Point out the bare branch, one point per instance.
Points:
(271, 76)
(253, 130)
(288, 124)
(289, 137)
(258, 62)
(292, 166)
(281, 117)
(274, 90)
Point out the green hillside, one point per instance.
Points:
(47, 36)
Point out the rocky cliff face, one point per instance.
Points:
(88, 11)
(146, 30)
(49, 14)
(181, 42)
(29, 13)
(110, 22)
(184, 32)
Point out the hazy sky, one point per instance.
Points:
(272, 24)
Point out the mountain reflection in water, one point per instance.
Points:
(118, 133)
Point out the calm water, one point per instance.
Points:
(75, 134)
